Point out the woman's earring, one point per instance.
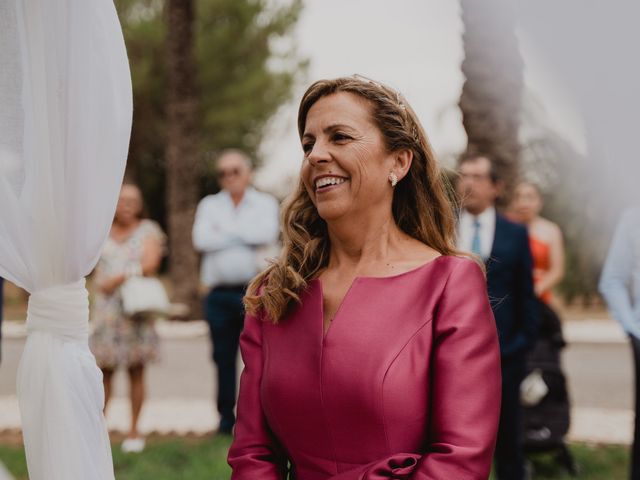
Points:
(393, 178)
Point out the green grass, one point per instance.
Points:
(594, 463)
(200, 459)
(163, 459)
(13, 459)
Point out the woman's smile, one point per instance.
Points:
(327, 183)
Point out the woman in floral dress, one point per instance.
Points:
(135, 246)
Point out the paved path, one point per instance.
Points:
(184, 415)
(180, 388)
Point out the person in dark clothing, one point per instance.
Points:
(504, 246)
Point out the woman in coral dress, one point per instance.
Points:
(545, 239)
(370, 347)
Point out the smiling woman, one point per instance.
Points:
(356, 124)
(366, 340)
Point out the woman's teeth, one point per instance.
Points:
(326, 181)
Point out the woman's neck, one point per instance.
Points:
(531, 222)
(359, 243)
(126, 225)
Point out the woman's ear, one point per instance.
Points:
(402, 162)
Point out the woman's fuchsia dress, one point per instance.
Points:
(405, 384)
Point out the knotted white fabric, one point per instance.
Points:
(62, 311)
(65, 121)
(60, 389)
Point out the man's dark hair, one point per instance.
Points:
(469, 157)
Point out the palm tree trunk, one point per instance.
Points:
(492, 92)
(181, 152)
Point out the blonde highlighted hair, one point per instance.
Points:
(422, 205)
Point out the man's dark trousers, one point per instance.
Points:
(225, 315)
(509, 449)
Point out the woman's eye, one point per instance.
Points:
(306, 147)
(340, 137)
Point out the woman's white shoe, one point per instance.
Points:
(133, 445)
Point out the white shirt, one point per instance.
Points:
(620, 280)
(487, 231)
(228, 235)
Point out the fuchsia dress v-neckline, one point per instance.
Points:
(317, 283)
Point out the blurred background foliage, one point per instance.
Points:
(247, 65)
(246, 68)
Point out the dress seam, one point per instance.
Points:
(384, 378)
(324, 413)
(322, 404)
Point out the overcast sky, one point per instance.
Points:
(414, 46)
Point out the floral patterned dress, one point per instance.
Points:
(117, 339)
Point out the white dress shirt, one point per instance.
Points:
(620, 280)
(487, 229)
(228, 235)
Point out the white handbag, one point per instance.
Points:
(144, 295)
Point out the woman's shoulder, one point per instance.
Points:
(455, 260)
(462, 278)
(447, 277)
(462, 263)
(446, 269)
(148, 224)
(546, 230)
(454, 269)
(150, 228)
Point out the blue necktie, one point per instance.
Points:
(475, 242)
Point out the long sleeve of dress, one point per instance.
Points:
(255, 454)
(466, 390)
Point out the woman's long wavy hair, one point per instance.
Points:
(422, 201)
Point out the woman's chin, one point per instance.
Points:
(331, 213)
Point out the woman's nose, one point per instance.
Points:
(319, 153)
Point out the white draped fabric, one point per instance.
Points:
(65, 121)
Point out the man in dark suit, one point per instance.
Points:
(504, 246)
